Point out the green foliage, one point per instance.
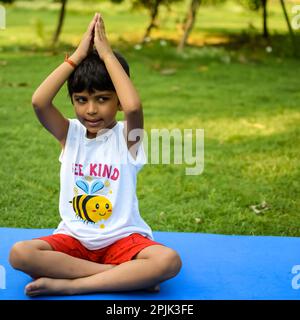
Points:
(251, 4)
(149, 4)
(212, 2)
(39, 27)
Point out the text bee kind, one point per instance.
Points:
(96, 170)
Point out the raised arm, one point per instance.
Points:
(49, 116)
(126, 92)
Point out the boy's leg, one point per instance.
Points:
(37, 259)
(151, 265)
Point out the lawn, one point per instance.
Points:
(245, 99)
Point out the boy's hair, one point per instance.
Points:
(92, 74)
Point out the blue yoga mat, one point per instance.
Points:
(214, 267)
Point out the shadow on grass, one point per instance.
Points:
(251, 45)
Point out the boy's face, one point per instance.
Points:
(96, 111)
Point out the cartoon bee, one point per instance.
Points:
(89, 207)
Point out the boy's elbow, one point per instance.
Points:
(37, 103)
(34, 104)
(134, 107)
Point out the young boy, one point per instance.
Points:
(102, 244)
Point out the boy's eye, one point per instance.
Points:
(102, 99)
(80, 100)
(83, 100)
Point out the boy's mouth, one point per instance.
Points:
(93, 123)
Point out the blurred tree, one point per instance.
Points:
(190, 18)
(291, 32)
(189, 22)
(7, 1)
(62, 16)
(153, 7)
(265, 16)
(60, 21)
(257, 5)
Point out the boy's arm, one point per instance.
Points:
(126, 92)
(129, 100)
(49, 116)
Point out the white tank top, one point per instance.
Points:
(98, 203)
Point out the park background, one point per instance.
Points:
(234, 80)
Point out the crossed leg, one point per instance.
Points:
(37, 259)
(63, 274)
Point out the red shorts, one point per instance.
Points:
(120, 251)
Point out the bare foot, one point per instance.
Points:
(48, 286)
(155, 288)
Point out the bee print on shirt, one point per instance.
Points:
(91, 208)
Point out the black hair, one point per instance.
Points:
(92, 74)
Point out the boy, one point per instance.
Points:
(102, 244)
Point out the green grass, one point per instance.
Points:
(245, 99)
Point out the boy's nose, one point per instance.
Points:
(92, 108)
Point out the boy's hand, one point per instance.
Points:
(86, 43)
(100, 40)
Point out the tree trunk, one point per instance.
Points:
(153, 16)
(292, 35)
(60, 22)
(265, 18)
(189, 23)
